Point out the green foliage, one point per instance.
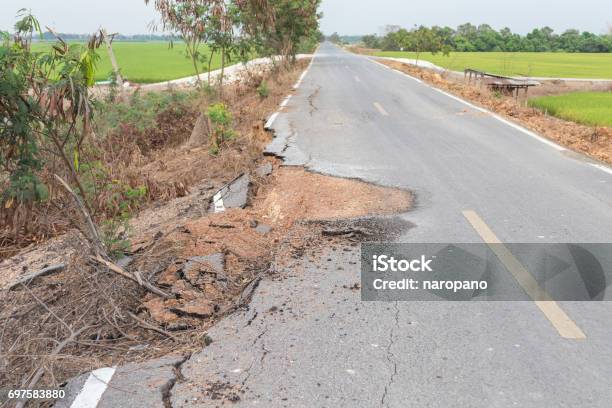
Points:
(142, 110)
(281, 26)
(589, 108)
(221, 121)
(469, 38)
(262, 90)
(45, 107)
(114, 237)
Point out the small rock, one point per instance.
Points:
(253, 223)
(263, 229)
(125, 261)
(198, 308)
(264, 170)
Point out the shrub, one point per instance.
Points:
(262, 90)
(221, 125)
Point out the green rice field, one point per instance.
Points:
(589, 108)
(535, 64)
(148, 62)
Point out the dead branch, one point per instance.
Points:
(149, 326)
(40, 370)
(26, 279)
(117, 269)
(94, 238)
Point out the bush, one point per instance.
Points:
(262, 90)
(221, 129)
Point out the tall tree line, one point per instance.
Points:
(484, 38)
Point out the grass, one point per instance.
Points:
(589, 108)
(149, 62)
(537, 64)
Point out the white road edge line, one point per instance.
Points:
(94, 387)
(478, 108)
(602, 167)
(285, 101)
(271, 120)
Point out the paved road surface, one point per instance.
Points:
(307, 341)
(354, 118)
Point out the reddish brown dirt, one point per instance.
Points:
(290, 195)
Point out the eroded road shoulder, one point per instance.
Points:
(292, 347)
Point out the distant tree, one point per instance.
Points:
(371, 41)
(468, 37)
(335, 38)
(423, 39)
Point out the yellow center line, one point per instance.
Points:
(380, 109)
(553, 312)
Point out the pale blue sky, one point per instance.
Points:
(343, 16)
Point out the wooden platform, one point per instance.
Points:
(503, 84)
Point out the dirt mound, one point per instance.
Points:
(291, 207)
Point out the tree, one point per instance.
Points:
(46, 111)
(190, 19)
(423, 39)
(371, 41)
(335, 38)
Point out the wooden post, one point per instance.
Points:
(108, 41)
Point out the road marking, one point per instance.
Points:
(93, 388)
(357, 78)
(602, 167)
(380, 109)
(285, 101)
(478, 108)
(270, 121)
(553, 312)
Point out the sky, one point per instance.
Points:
(343, 16)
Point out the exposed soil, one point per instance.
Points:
(595, 142)
(281, 214)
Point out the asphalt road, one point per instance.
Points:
(309, 341)
(355, 118)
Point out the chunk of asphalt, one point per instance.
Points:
(135, 385)
(232, 195)
(264, 170)
(216, 262)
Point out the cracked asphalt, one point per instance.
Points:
(307, 339)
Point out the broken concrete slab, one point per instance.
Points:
(215, 261)
(137, 385)
(264, 170)
(232, 195)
